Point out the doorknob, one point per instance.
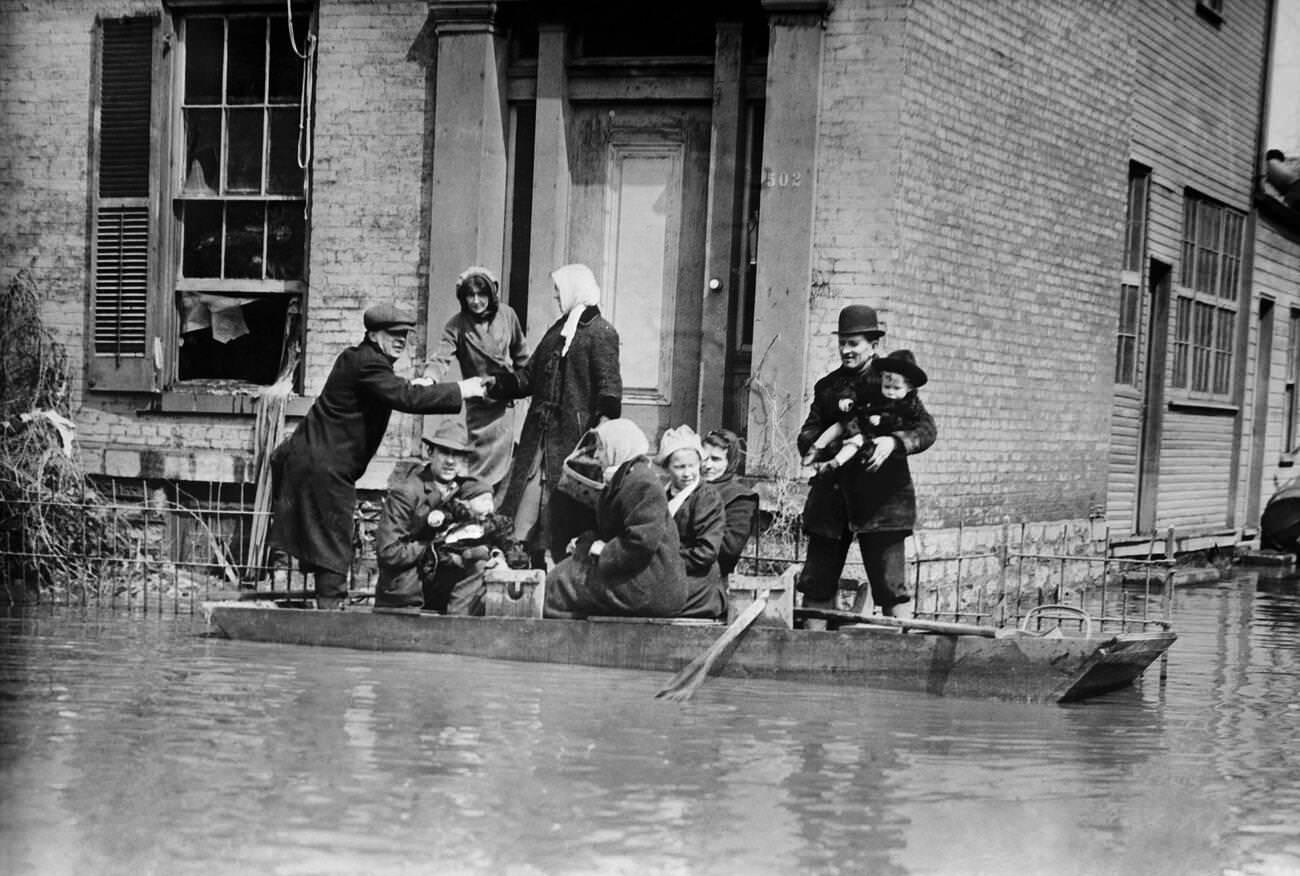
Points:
(715, 285)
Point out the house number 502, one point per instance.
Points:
(774, 179)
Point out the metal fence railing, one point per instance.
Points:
(156, 545)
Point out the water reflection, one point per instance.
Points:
(132, 744)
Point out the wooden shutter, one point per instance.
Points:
(124, 173)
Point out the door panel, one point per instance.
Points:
(637, 217)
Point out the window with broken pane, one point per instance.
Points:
(241, 203)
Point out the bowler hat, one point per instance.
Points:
(450, 434)
(904, 363)
(387, 317)
(859, 319)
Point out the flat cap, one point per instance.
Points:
(390, 317)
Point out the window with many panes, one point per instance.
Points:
(1205, 312)
(214, 243)
(1130, 288)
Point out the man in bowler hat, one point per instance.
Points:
(314, 473)
(869, 499)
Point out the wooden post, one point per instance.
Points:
(722, 275)
(468, 192)
(783, 294)
(548, 247)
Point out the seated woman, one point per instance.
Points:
(722, 455)
(631, 564)
(696, 509)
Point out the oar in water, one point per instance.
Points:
(682, 685)
(949, 628)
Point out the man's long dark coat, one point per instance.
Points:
(315, 472)
(851, 499)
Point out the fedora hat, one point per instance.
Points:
(904, 363)
(859, 319)
(450, 434)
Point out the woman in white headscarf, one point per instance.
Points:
(575, 383)
(630, 563)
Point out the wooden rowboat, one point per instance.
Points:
(1023, 668)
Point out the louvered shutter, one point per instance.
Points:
(123, 266)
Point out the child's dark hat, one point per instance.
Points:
(904, 363)
(859, 319)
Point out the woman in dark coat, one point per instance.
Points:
(315, 472)
(697, 512)
(484, 339)
(720, 467)
(574, 382)
(631, 563)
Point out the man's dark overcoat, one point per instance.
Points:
(315, 472)
(569, 393)
(851, 499)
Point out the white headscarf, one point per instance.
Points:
(620, 440)
(578, 291)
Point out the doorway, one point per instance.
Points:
(1153, 398)
(637, 217)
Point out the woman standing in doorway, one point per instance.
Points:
(485, 339)
(575, 384)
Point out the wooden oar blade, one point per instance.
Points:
(683, 685)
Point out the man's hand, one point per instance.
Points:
(423, 381)
(596, 547)
(472, 387)
(881, 449)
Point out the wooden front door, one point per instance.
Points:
(637, 217)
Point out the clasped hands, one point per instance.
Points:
(470, 387)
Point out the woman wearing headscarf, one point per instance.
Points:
(485, 339)
(696, 509)
(574, 382)
(722, 454)
(630, 564)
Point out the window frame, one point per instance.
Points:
(1132, 281)
(1207, 305)
(174, 283)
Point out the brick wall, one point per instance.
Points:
(1004, 136)
(369, 228)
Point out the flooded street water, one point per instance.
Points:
(133, 744)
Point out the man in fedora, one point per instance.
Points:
(314, 473)
(421, 504)
(870, 498)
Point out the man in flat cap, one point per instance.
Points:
(853, 503)
(315, 472)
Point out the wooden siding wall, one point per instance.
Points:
(1195, 122)
(1277, 275)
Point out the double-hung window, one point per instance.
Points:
(1130, 286)
(200, 278)
(1205, 312)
